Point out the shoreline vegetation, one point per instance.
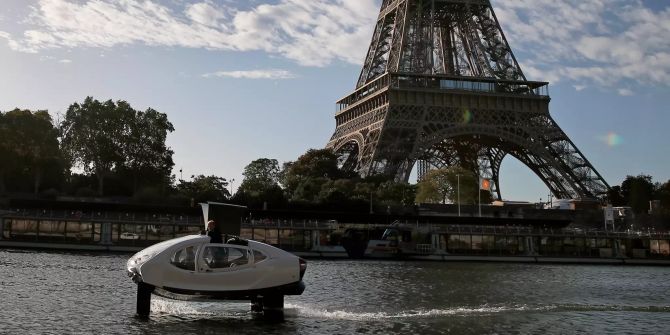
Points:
(110, 152)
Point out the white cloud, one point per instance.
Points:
(625, 92)
(65, 61)
(601, 42)
(606, 43)
(312, 33)
(207, 14)
(253, 74)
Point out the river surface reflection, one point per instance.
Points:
(58, 293)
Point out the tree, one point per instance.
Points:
(311, 165)
(363, 190)
(146, 154)
(663, 194)
(309, 190)
(637, 192)
(259, 176)
(392, 193)
(8, 161)
(441, 185)
(92, 136)
(261, 184)
(111, 137)
(205, 188)
(336, 191)
(434, 187)
(31, 141)
(614, 196)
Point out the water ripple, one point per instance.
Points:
(57, 293)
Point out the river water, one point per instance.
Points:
(61, 293)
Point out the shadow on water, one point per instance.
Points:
(179, 317)
(176, 317)
(258, 324)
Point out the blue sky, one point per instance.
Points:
(242, 80)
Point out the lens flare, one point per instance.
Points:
(612, 139)
(467, 116)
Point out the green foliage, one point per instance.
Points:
(310, 169)
(29, 145)
(205, 188)
(92, 135)
(8, 160)
(146, 154)
(637, 191)
(428, 190)
(615, 197)
(261, 184)
(391, 193)
(663, 194)
(442, 185)
(362, 191)
(316, 179)
(272, 197)
(309, 190)
(259, 176)
(111, 137)
(334, 191)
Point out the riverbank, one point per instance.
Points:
(520, 237)
(341, 254)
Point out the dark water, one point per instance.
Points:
(55, 293)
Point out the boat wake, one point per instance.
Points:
(306, 311)
(198, 309)
(236, 310)
(176, 307)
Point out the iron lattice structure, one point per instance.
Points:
(441, 86)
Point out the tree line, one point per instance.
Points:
(109, 149)
(637, 192)
(99, 148)
(315, 179)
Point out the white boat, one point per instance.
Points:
(192, 268)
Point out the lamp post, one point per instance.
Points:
(479, 192)
(458, 193)
(2, 222)
(371, 202)
(231, 186)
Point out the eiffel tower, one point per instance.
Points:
(440, 86)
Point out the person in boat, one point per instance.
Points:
(213, 232)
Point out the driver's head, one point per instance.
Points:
(211, 225)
